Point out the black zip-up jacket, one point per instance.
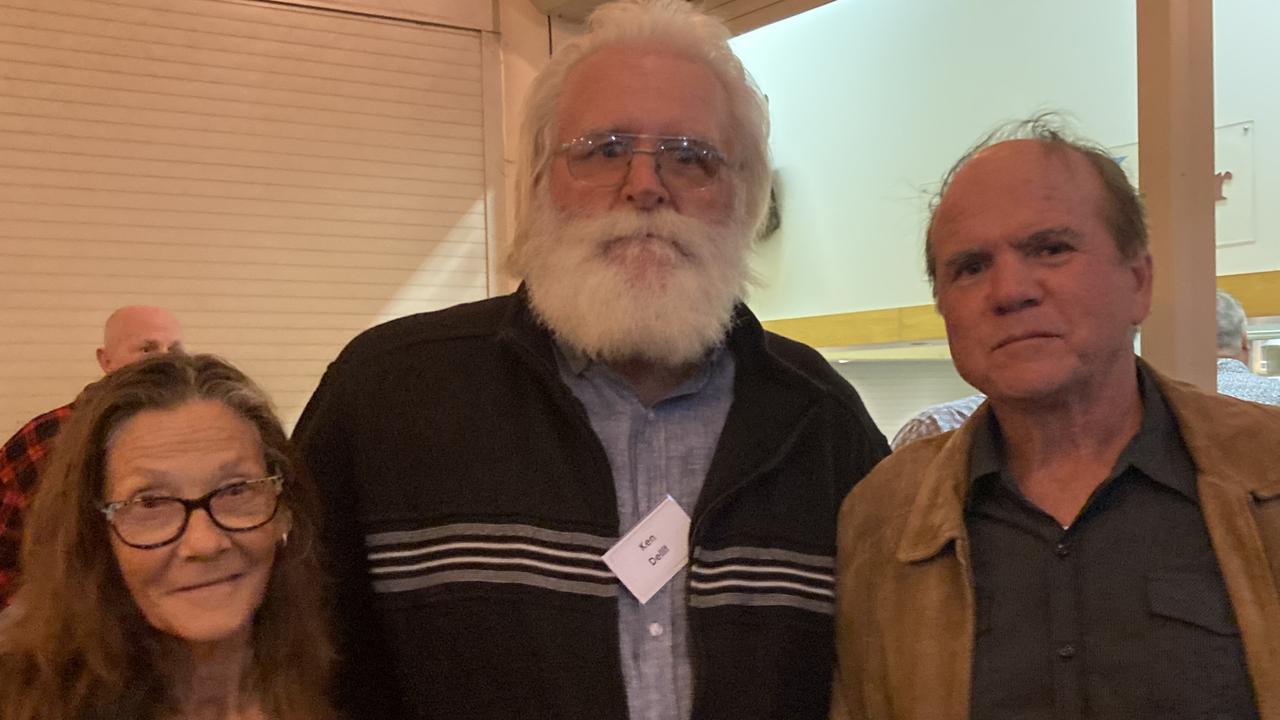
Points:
(468, 501)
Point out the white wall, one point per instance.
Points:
(872, 100)
(1246, 61)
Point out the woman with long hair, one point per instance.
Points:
(169, 566)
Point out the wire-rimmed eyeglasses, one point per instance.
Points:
(604, 159)
(154, 521)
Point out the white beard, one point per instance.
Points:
(654, 286)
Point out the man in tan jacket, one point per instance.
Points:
(1099, 541)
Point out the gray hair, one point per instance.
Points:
(1124, 213)
(1231, 322)
(673, 24)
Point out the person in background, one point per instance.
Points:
(1234, 376)
(478, 462)
(937, 419)
(131, 333)
(179, 573)
(1098, 540)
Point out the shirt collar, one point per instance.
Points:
(1157, 451)
(574, 360)
(577, 363)
(1232, 365)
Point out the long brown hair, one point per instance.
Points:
(79, 646)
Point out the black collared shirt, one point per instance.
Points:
(1122, 616)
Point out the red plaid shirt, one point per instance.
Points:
(20, 463)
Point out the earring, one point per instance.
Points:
(284, 538)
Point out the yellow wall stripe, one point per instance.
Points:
(1258, 292)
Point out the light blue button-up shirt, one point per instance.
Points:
(654, 452)
(1235, 379)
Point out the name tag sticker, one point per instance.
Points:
(648, 556)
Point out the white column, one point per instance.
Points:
(1175, 156)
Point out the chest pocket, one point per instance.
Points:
(1196, 658)
(1198, 600)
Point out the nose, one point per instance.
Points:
(202, 538)
(1013, 286)
(643, 189)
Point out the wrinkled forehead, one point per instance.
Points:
(644, 88)
(138, 329)
(165, 441)
(1031, 178)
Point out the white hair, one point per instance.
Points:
(1231, 322)
(673, 24)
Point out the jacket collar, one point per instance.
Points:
(1219, 434)
(937, 513)
(1222, 434)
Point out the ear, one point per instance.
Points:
(104, 361)
(283, 522)
(1142, 271)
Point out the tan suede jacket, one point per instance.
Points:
(905, 599)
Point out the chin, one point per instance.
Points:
(208, 618)
(1022, 380)
(656, 314)
(1029, 383)
(212, 630)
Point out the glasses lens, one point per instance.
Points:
(149, 521)
(605, 160)
(600, 159)
(244, 505)
(688, 163)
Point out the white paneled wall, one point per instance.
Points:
(280, 178)
(894, 391)
(471, 14)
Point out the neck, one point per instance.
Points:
(211, 685)
(652, 381)
(1060, 451)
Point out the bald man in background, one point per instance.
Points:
(131, 334)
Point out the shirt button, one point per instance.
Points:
(655, 629)
(1062, 550)
(1066, 652)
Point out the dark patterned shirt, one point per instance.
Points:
(20, 462)
(1124, 615)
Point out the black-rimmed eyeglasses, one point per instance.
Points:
(604, 159)
(154, 521)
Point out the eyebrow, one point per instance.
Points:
(964, 257)
(238, 466)
(616, 130)
(157, 479)
(1040, 237)
(1035, 239)
(146, 482)
(613, 130)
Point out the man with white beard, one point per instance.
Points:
(610, 494)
